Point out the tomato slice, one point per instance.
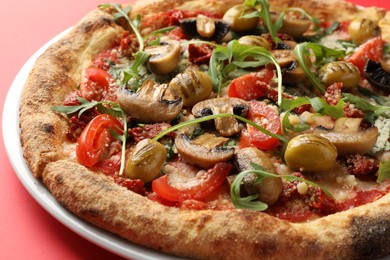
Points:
(94, 142)
(370, 50)
(95, 83)
(209, 182)
(251, 86)
(266, 117)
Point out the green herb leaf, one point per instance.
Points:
(251, 202)
(321, 52)
(384, 171)
(211, 117)
(289, 105)
(364, 105)
(265, 14)
(237, 55)
(322, 107)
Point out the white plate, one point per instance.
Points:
(90, 232)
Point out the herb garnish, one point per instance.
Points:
(372, 111)
(105, 107)
(236, 54)
(321, 53)
(251, 202)
(319, 105)
(265, 14)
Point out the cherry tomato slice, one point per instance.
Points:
(251, 86)
(95, 83)
(211, 181)
(266, 117)
(93, 143)
(370, 50)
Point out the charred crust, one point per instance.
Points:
(370, 236)
(94, 25)
(48, 128)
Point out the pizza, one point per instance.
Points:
(220, 129)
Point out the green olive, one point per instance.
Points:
(294, 26)
(234, 16)
(340, 71)
(146, 160)
(254, 40)
(192, 86)
(310, 153)
(362, 29)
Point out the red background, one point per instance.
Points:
(27, 231)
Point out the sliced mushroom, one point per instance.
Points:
(226, 126)
(293, 73)
(147, 105)
(270, 188)
(164, 57)
(205, 151)
(376, 74)
(284, 57)
(201, 28)
(348, 138)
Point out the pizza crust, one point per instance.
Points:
(232, 234)
(56, 73)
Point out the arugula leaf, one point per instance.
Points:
(372, 111)
(236, 54)
(384, 171)
(265, 14)
(134, 24)
(251, 202)
(322, 107)
(321, 52)
(319, 105)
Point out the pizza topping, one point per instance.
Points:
(147, 105)
(362, 29)
(95, 85)
(269, 188)
(376, 74)
(340, 72)
(146, 160)
(94, 142)
(164, 58)
(235, 16)
(193, 86)
(192, 186)
(203, 27)
(294, 23)
(254, 40)
(226, 126)
(204, 151)
(303, 150)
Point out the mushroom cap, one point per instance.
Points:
(164, 57)
(147, 105)
(200, 154)
(190, 29)
(377, 76)
(226, 126)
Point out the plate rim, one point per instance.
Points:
(11, 139)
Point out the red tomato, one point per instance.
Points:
(94, 142)
(211, 181)
(266, 117)
(370, 50)
(95, 83)
(251, 86)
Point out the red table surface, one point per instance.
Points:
(27, 231)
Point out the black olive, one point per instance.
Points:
(377, 76)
